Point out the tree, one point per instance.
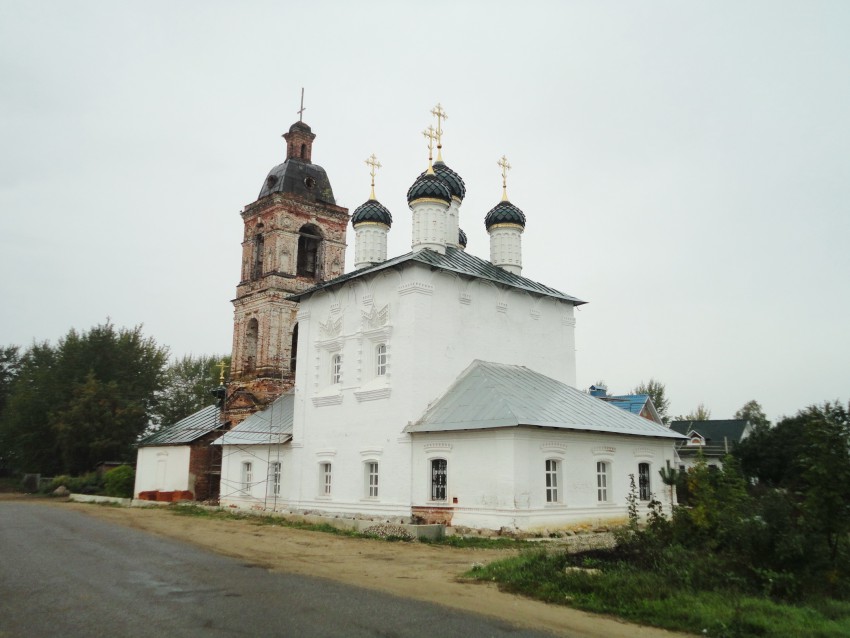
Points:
(85, 400)
(10, 365)
(753, 413)
(188, 383)
(700, 414)
(657, 392)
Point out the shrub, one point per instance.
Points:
(120, 481)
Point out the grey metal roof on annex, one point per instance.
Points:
(271, 426)
(495, 395)
(455, 260)
(186, 430)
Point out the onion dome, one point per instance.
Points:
(450, 179)
(504, 213)
(372, 211)
(461, 237)
(429, 186)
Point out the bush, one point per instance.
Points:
(120, 481)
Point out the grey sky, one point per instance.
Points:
(684, 167)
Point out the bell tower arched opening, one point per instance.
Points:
(310, 242)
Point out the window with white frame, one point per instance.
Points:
(439, 474)
(247, 475)
(381, 360)
(325, 476)
(372, 479)
(336, 368)
(553, 469)
(603, 479)
(274, 476)
(644, 490)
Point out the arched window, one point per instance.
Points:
(439, 475)
(309, 251)
(381, 359)
(371, 468)
(553, 469)
(293, 350)
(336, 368)
(251, 337)
(643, 481)
(303, 151)
(603, 479)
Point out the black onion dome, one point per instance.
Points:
(429, 186)
(461, 237)
(504, 213)
(450, 179)
(372, 211)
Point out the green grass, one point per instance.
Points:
(648, 597)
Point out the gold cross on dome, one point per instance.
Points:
(503, 164)
(221, 366)
(302, 109)
(373, 164)
(431, 135)
(441, 115)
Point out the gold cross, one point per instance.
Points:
(373, 164)
(302, 109)
(503, 164)
(221, 366)
(441, 115)
(431, 135)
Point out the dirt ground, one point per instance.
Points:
(412, 570)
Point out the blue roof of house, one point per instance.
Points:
(633, 403)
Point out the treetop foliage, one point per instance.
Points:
(658, 393)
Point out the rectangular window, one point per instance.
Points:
(438, 479)
(643, 481)
(326, 479)
(381, 360)
(247, 475)
(336, 368)
(275, 478)
(372, 479)
(602, 481)
(551, 481)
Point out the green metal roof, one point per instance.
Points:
(186, 430)
(495, 395)
(272, 426)
(455, 260)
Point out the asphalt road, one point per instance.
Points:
(65, 574)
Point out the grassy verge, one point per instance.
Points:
(649, 597)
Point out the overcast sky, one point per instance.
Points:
(684, 167)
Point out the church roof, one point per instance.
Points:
(495, 395)
(299, 178)
(504, 213)
(429, 186)
(186, 430)
(271, 426)
(455, 260)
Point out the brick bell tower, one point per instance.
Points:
(294, 238)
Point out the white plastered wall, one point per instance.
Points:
(164, 468)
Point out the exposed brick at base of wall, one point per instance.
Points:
(432, 515)
(205, 467)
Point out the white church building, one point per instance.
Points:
(436, 386)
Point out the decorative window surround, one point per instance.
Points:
(604, 450)
(366, 300)
(416, 287)
(535, 314)
(569, 321)
(323, 400)
(371, 451)
(644, 452)
(374, 394)
(465, 298)
(375, 318)
(327, 452)
(501, 307)
(553, 446)
(330, 328)
(335, 307)
(437, 446)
